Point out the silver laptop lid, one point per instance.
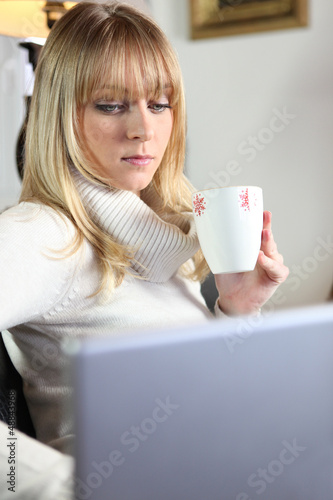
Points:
(233, 410)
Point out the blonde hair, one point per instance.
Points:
(90, 47)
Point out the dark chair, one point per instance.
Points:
(209, 292)
(12, 401)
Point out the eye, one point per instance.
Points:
(109, 108)
(158, 107)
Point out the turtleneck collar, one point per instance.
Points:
(161, 243)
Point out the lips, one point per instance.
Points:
(139, 160)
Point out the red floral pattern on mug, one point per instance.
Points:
(199, 204)
(243, 199)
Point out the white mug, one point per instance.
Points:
(229, 223)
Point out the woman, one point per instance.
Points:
(103, 239)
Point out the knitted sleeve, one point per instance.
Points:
(33, 275)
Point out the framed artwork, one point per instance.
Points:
(215, 18)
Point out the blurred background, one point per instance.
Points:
(260, 112)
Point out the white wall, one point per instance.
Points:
(234, 88)
(12, 60)
(234, 85)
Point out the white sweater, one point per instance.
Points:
(44, 299)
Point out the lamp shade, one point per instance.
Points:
(28, 18)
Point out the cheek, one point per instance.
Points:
(95, 137)
(98, 133)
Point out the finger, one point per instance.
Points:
(274, 269)
(268, 245)
(267, 220)
(267, 241)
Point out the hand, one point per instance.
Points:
(246, 293)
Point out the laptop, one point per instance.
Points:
(230, 410)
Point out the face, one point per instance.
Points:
(126, 139)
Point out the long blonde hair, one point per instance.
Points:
(90, 47)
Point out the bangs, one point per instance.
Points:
(140, 67)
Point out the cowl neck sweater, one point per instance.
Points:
(161, 242)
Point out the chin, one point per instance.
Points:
(138, 187)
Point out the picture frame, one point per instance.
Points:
(216, 18)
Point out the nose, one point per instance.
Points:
(139, 125)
